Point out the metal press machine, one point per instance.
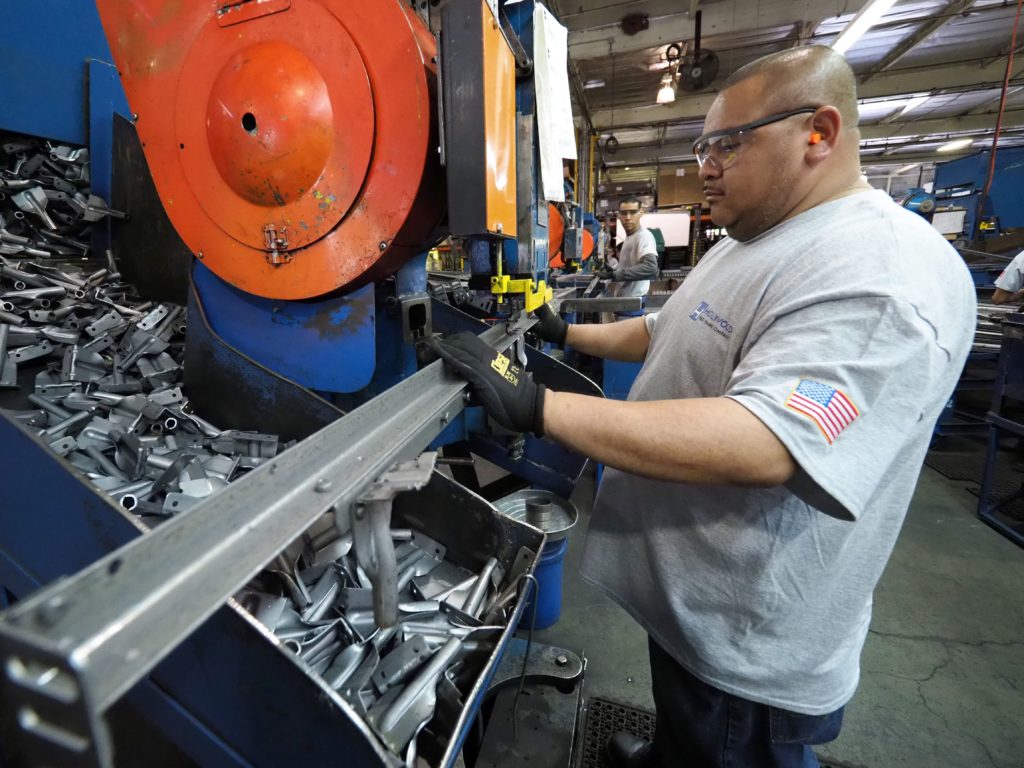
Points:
(307, 153)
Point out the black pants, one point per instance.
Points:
(700, 726)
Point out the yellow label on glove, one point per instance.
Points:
(500, 363)
(505, 369)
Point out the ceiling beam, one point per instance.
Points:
(610, 15)
(1002, 55)
(866, 160)
(907, 158)
(805, 30)
(893, 83)
(910, 42)
(941, 125)
(727, 17)
(986, 105)
(673, 151)
(636, 154)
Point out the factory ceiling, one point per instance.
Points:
(930, 71)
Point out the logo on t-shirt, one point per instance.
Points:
(712, 319)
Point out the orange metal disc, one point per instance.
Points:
(311, 119)
(556, 231)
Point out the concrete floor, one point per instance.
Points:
(943, 669)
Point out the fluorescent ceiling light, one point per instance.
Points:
(905, 168)
(865, 19)
(913, 104)
(597, 83)
(626, 168)
(953, 146)
(666, 94)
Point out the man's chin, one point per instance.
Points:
(720, 216)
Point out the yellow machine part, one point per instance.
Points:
(533, 296)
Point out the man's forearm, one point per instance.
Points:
(1002, 296)
(626, 340)
(707, 441)
(645, 269)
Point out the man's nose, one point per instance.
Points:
(709, 170)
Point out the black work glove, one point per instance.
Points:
(507, 392)
(551, 328)
(606, 273)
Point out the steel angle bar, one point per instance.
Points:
(603, 304)
(8, 368)
(74, 647)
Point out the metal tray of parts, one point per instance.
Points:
(230, 694)
(472, 530)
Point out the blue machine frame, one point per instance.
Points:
(961, 182)
(345, 348)
(68, 92)
(1009, 385)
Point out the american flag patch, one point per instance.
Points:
(826, 406)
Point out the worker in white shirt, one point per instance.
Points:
(1010, 284)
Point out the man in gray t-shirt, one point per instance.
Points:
(759, 473)
(638, 254)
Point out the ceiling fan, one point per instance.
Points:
(695, 70)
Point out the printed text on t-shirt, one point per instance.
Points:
(712, 319)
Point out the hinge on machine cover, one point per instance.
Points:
(276, 243)
(236, 11)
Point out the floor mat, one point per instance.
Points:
(965, 465)
(604, 718)
(1005, 483)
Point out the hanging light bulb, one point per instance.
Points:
(667, 92)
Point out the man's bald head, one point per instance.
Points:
(756, 177)
(812, 75)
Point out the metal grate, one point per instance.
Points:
(604, 718)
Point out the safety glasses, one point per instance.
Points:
(720, 148)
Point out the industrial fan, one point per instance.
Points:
(696, 70)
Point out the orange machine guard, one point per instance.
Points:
(293, 142)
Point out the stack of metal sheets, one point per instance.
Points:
(988, 334)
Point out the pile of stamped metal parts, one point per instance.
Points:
(46, 208)
(102, 371)
(408, 681)
(106, 392)
(95, 371)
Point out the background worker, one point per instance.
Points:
(1010, 284)
(759, 473)
(602, 239)
(637, 256)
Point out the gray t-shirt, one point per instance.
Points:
(844, 330)
(1012, 278)
(638, 263)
